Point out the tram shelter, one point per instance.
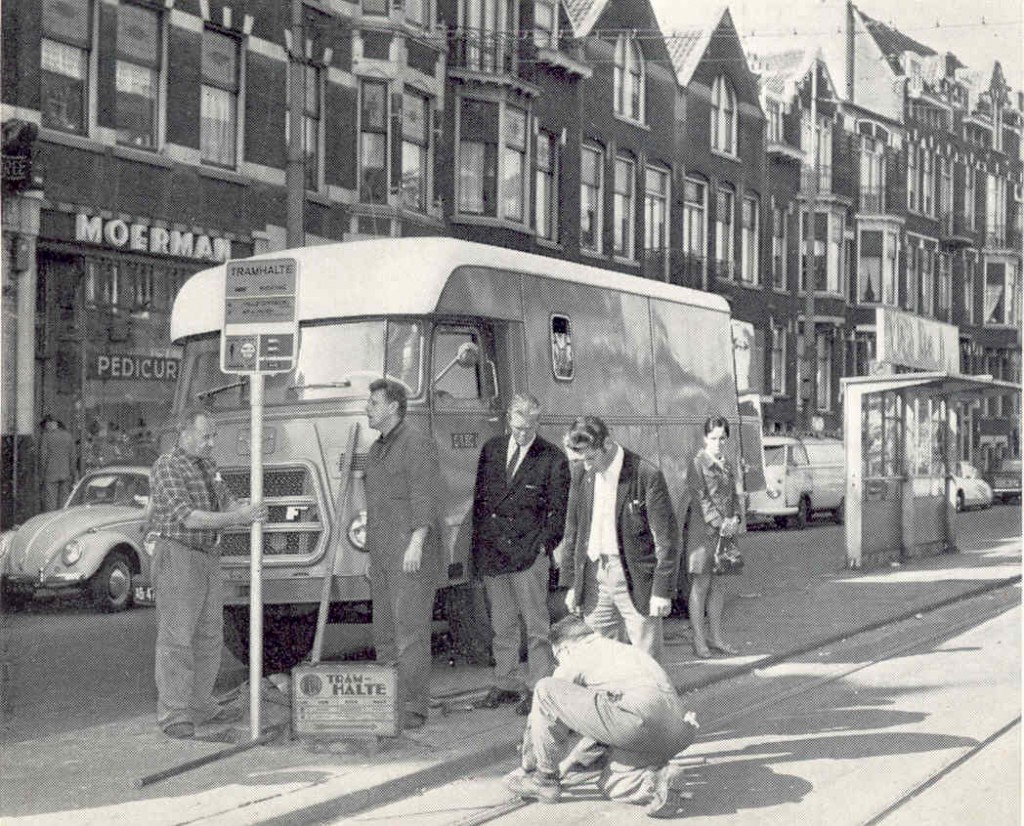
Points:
(901, 441)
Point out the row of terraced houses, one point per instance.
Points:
(146, 138)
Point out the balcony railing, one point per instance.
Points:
(872, 199)
(824, 178)
(487, 52)
(726, 270)
(686, 269)
(995, 236)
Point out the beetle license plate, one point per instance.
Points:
(144, 594)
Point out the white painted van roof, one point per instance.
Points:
(400, 276)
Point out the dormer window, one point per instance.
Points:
(545, 24)
(723, 116)
(629, 79)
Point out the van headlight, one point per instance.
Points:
(357, 531)
(72, 552)
(774, 493)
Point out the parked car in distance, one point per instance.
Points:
(969, 490)
(802, 477)
(1004, 479)
(94, 544)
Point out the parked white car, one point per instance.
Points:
(969, 490)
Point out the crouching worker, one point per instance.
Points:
(615, 704)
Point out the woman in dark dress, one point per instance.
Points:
(711, 484)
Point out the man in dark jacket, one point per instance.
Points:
(522, 482)
(620, 532)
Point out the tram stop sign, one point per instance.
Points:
(260, 331)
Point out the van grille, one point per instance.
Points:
(294, 526)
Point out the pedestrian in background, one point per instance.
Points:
(403, 476)
(190, 505)
(711, 485)
(522, 482)
(620, 532)
(626, 711)
(56, 463)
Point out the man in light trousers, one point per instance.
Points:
(626, 710)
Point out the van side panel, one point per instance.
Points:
(611, 345)
(693, 354)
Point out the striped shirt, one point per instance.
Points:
(180, 485)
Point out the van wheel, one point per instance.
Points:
(781, 521)
(960, 504)
(111, 585)
(803, 514)
(287, 639)
(838, 514)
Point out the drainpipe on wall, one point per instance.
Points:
(296, 168)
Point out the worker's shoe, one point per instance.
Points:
(180, 731)
(667, 798)
(544, 788)
(224, 716)
(500, 696)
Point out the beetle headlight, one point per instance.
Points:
(357, 531)
(72, 552)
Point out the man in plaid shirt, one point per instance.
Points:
(190, 505)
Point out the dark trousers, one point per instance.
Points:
(402, 611)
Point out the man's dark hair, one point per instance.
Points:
(569, 628)
(711, 422)
(587, 431)
(394, 391)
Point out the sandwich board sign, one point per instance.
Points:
(260, 333)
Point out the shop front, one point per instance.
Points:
(105, 367)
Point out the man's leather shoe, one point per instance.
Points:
(500, 697)
(525, 704)
(667, 799)
(180, 731)
(544, 788)
(227, 714)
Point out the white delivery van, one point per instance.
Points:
(802, 477)
(827, 460)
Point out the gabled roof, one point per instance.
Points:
(687, 44)
(782, 73)
(893, 42)
(583, 14)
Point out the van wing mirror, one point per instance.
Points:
(468, 355)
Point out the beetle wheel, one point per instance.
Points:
(111, 585)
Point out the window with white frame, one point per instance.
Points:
(624, 208)
(870, 268)
(591, 197)
(218, 106)
(655, 209)
(913, 179)
(749, 272)
(970, 278)
(824, 371)
(834, 280)
(927, 182)
(815, 262)
(137, 76)
(817, 146)
(890, 268)
(773, 110)
(725, 206)
(695, 226)
(417, 11)
(629, 79)
(64, 65)
(910, 276)
(311, 107)
(478, 157)
(945, 188)
(945, 286)
(545, 24)
(723, 116)
(1002, 294)
(872, 174)
(488, 35)
(779, 359)
(545, 209)
(926, 281)
(995, 211)
(415, 150)
(373, 141)
(778, 247)
(514, 177)
(970, 195)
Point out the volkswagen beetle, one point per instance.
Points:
(94, 544)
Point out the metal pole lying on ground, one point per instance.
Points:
(256, 555)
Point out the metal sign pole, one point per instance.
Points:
(256, 554)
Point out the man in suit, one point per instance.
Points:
(56, 463)
(620, 533)
(522, 482)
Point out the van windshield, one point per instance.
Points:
(335, 361)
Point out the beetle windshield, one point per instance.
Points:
(128, 489)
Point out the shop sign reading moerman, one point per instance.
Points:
(121, 234)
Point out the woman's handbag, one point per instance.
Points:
(728, 558)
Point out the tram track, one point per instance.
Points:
(903, 648)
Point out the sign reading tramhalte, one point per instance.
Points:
(260, 320)
(345, 699)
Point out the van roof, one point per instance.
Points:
(400, 276)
